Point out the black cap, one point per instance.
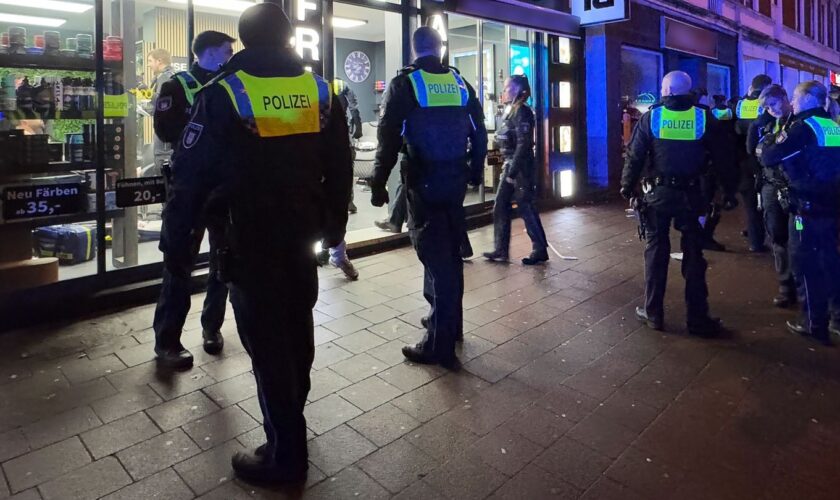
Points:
(264, 25)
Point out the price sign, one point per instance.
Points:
(116, 106)
(29, 202)
(141, 191)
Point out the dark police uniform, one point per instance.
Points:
(748, 113)
(268, 147)
(172, 113)
(724, 177)
(162, 149)
(776, 216)
(515, 139)
(809, 153)
(678, 136)
(432, 115)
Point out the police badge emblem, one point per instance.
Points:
(164, 103)
(191, 135)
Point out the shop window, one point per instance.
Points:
(565, 97)
(48, 182)
(765, 7)
(560, 49)
(717, 77)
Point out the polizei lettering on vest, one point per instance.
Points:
(678, 124)
(443, 88)
(293, 101)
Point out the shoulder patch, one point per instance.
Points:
(781, 137)
(192, 133)
(164, 103)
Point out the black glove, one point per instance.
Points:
(730, 202)
(627, 193)
(378, 196)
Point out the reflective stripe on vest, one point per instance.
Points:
(688, 125)
(436, 90)
(722, 114)
(748, 109)
(826, 130)
(279, 106)
(190, 85)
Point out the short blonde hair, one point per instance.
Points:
(161, 55)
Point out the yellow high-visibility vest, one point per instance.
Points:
(826, 130)
(688, 125)
(190, 85)
(439, 89)
(279, 106)
(748, 109)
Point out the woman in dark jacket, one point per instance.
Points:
(518, 184)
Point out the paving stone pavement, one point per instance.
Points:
(563, 394)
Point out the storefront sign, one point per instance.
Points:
(592, 12)
(141, 191)
(835, 78)
(677, 35)
(792, 62)
(116, 106)
(307, 39)
(538, 15)
(28, 202)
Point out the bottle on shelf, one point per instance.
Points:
(24, 96)
(17, 40)
(43, 98)
(52, 43)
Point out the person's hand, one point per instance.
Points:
(378, 196)
(627, 193)
(730, 203)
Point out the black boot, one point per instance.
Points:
(387, 225)
(784, 299)
(496, 256)
(713, 246)
(213, 342)
(705, 327)
(176, 358)
(416, 354)
(800, 327)
(655, 323)
(261, 469)
(536, 257)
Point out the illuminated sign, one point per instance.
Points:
(592, 12)
(646, 98)
(307, 39)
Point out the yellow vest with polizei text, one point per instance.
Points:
(668, 124)
(279, 106)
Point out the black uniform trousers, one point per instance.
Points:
(658, 255)
(503, 212)
(274, 317)
(711, 216)
(776, 224)
(816, 264)
(437, 231)
(174, 302)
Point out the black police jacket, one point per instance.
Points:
(274, 195)
(397, 106)
(686, 160)
(813, 172)
(515, 139)
(772, 173)
(172, 110)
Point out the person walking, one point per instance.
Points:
(518, 183)
(433, 116)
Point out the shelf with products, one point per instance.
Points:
(57, 63)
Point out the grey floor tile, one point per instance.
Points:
(47, 463)
(88, 483)
(120, 434)
(144, 459)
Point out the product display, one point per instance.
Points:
(70, 243)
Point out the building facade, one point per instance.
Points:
(720, 43)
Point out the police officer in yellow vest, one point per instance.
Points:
(172, 113)
(431, 114)
(266, 155)
(809, 153)
(750, 117)
(677, 136)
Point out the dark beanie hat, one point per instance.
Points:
(266, 25)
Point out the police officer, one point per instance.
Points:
(774, 99)
(678, 136)
(519, 176)
(433, 116)
(267, 154)
(172, 113)
(809, 153)
(747, 111)
(726, 178)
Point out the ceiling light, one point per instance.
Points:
(49, 22)
(75, 8)
(346, 22)
(233, 5)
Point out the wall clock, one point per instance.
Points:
(357, 66)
